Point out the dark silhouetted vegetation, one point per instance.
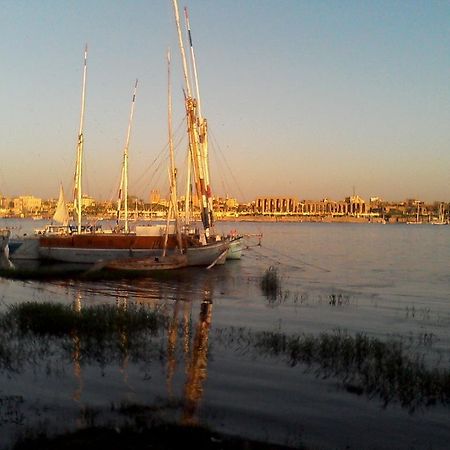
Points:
(95, 321)
(271, 283)
(365, 365)
(161, 436)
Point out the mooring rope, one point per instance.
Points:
(284, 255)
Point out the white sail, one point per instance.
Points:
(62, 213)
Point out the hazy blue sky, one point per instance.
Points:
(305, 98)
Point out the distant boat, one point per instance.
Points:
(60, 220)
(61, 214)
(418, 221)
(4, 240)
(441, 219)
(5, 263)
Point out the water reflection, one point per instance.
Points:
(122, 305)
(186, 345)
(197, 361)
(195, 351)
(76, 353)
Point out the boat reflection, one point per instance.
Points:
(197, 365)
(195, 352)
(186, 361)
(76, 355)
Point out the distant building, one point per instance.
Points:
(354, 205)
(4, 202)
(27, 204)
(155, 196)
(277, 205)
(87, 201)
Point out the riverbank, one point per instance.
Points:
(308, 219)
(268, 219)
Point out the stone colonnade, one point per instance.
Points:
(289, 205)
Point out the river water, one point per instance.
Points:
(388, 282)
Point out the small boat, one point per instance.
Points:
(5, 263)
(418, 221)
(4, 240)
(60, 221)
(236, 246)
(146, 265)
(441, 220)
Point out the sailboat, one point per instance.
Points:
(60, 220)
(418, 221)
(441, 219)
(89, 245)
(197, 130)
(164, 261)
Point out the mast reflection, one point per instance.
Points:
(194, 346)
(197, 365)
(76, 353)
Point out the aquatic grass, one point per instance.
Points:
(47, 336)
(50, 335)
(58, 319)
(271, 283)
(364, 364)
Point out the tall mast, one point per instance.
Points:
(194, 64)
(125, 159)
(201, 123)
(173, 201)
(195, 147)
(183, 53)
(187, 202)
(77, 195)
(188, 100)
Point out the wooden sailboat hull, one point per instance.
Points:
(205, 255)
(147, 265)
(90, 249)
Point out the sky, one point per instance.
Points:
(310, 99)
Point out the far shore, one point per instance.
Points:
(313, 219)
(274, 218)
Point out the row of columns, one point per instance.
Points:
(290, 205)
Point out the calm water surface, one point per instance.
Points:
(387, 281)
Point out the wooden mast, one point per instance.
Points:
(201, 124)
(173, 201)
(202, 188)
(77, 194)
(124, 178)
